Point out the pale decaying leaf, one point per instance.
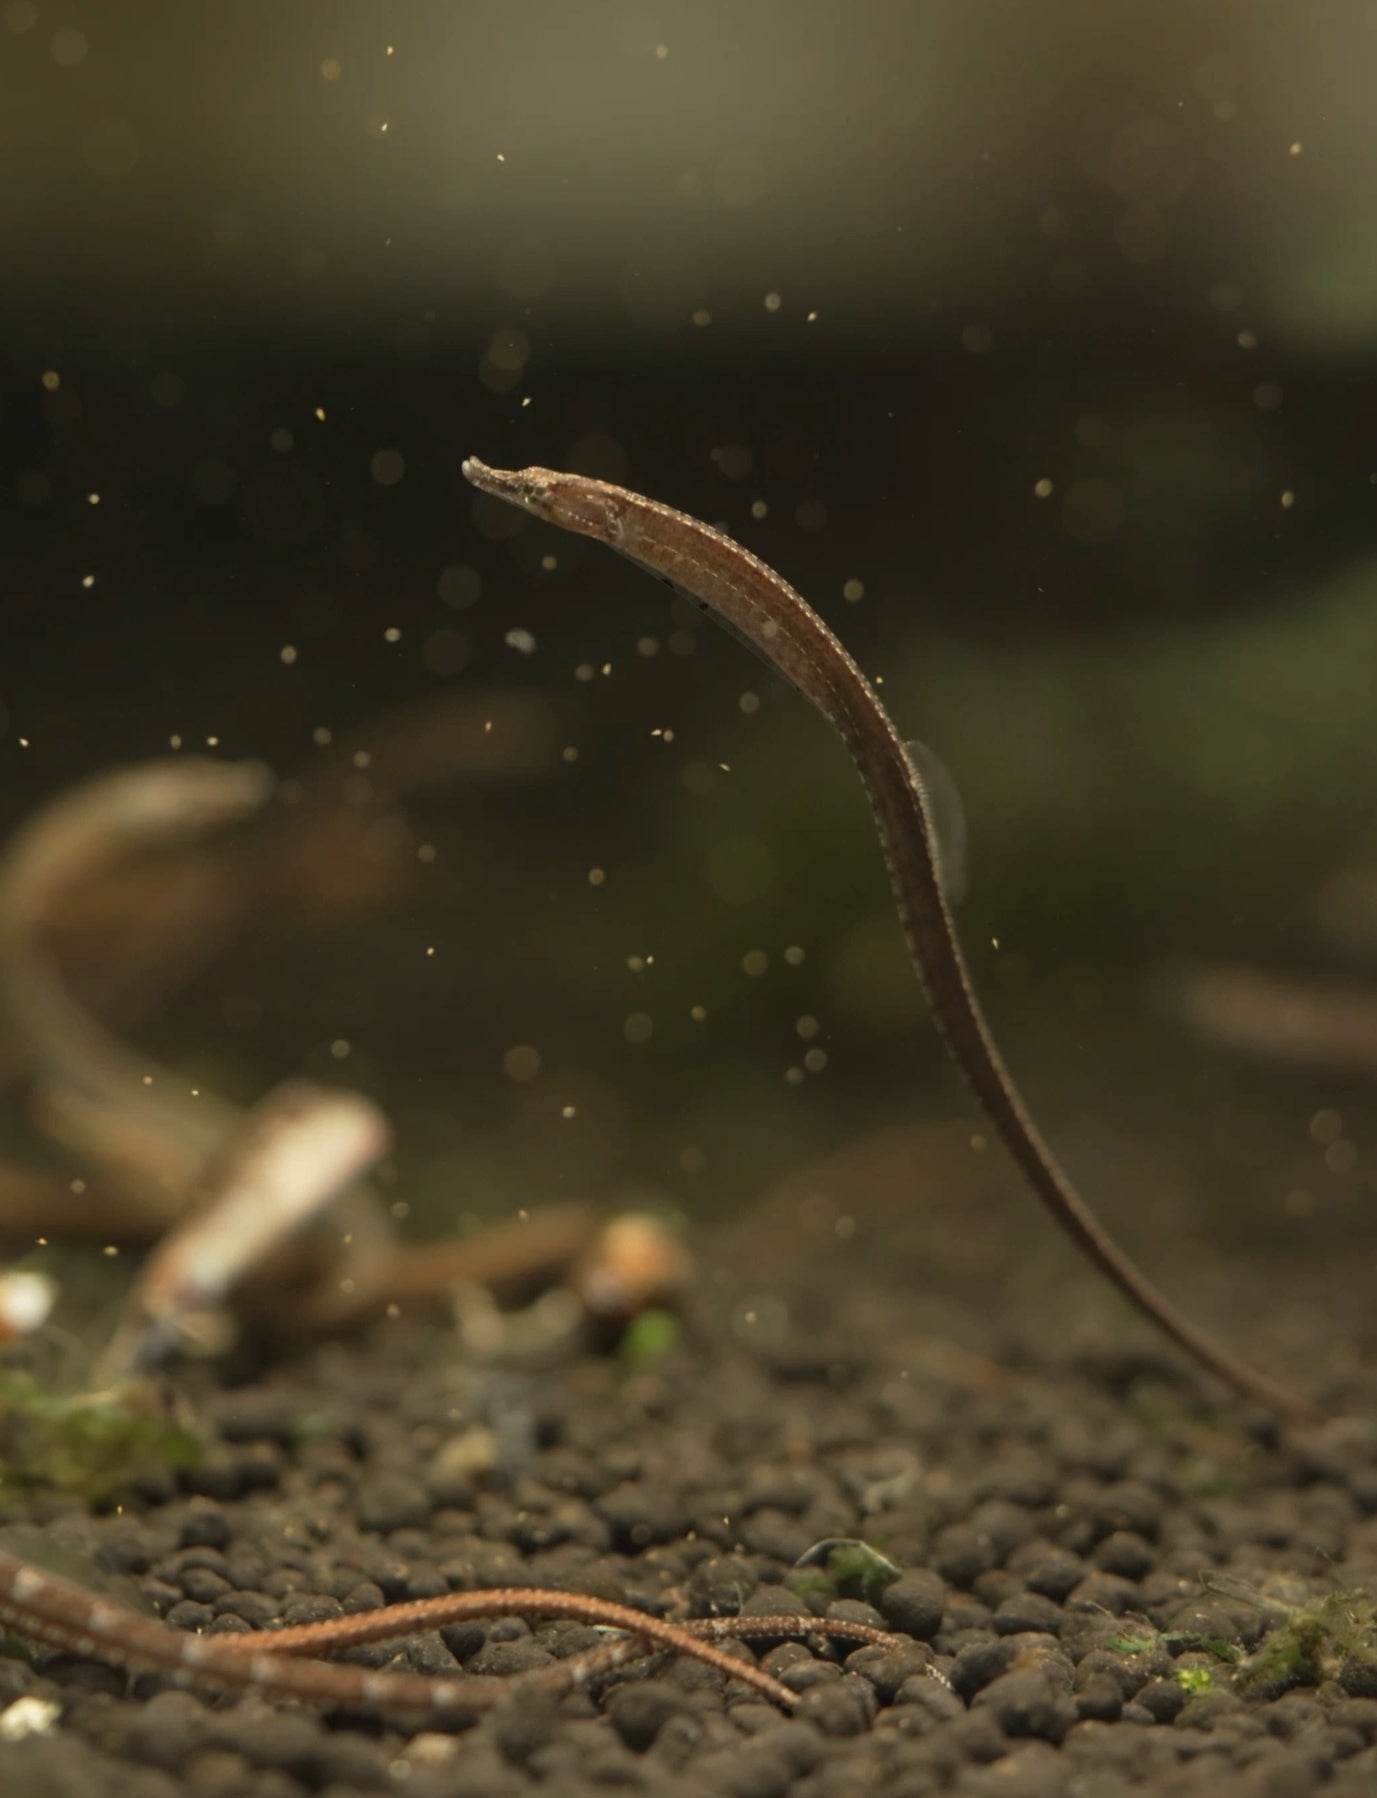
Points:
(291, 1156)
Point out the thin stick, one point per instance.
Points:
(594, 1665)
(741, 592)
(94, 1078)
(535, 1601)
(1272, 1015)
(62, 1614)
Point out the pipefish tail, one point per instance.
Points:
(758, 605)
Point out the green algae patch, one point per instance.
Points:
(1333, 1638)
(96, 1445)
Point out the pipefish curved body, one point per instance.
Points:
(757, 604)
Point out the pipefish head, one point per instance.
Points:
(573, 502)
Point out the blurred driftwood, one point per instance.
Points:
(231, 1188)
(337, 847)
(1273, 1016)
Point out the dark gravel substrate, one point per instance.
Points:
(1054, 1523)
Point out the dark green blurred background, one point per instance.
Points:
(1034, 343)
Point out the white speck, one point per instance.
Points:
(773, 302)
(26, 1583)
(392, 634)
(520, 640)
(287, 654)
(28, 1717)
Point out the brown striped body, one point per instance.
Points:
(756, 603)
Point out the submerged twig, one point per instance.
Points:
(111, 1098)
(1272, 1015)
(115, 1101)
(62, 1614)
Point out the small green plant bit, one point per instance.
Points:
(648, 1338)
(96, 1445)
(754, 603)
(1195, 1682)
(843, 1567)
(1333, 1638)
(1177, 1641)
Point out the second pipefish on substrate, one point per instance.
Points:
(755, 603)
